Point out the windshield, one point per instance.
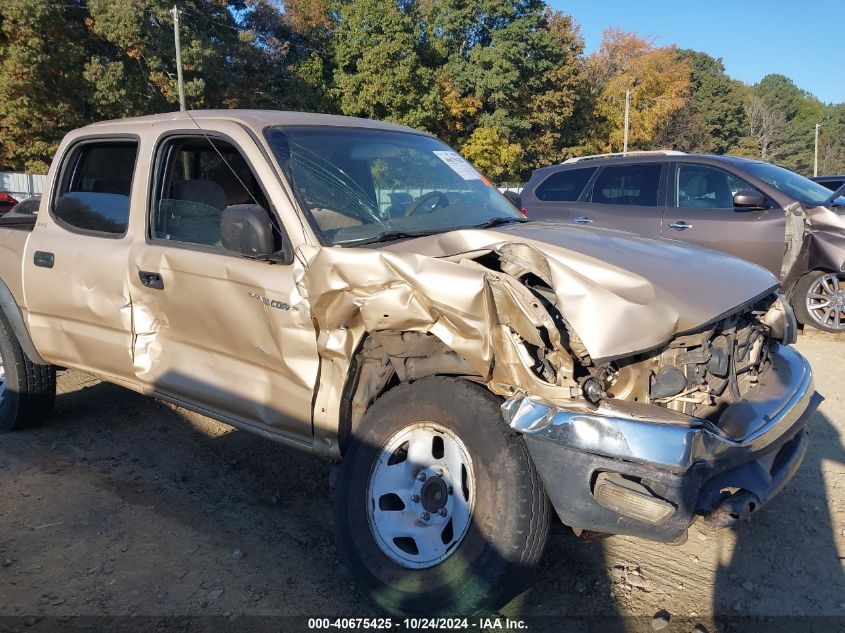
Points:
(365, 185)
(802, 189)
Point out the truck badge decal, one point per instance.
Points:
(281, 305)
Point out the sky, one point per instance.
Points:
(802, 39)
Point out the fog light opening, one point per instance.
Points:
(630, 498)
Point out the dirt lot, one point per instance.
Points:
(120, 505)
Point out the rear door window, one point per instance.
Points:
(564, 186)
(628, 185)
(704, 187)
(95, 187)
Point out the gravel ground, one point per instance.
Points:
(120, 505)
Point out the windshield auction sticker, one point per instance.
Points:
(459, 165)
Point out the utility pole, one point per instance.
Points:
(627, 109)
(175, 12)
(816, 154)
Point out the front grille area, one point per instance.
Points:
(703, 372)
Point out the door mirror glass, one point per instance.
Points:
(749, 200)
(246, 229)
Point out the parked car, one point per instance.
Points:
(467, 371)
(766, 214)
(7, 202)
(834, 183)
(25, 208)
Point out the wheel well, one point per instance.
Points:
(791, 289)
(389, 358)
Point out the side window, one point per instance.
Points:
(833, 185)
(633, 185)
(95, 187)
(564, 186)
(197, 179)
(703, 187)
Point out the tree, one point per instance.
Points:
(786, 118)
(660, 82)
(767, 125)
(510, 69)
(42, 46)
(714, 118)
(379, 70)
(492, 154)
(832, 141)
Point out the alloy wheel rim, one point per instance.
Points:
(826, 301)
(420, 495)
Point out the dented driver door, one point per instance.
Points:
(213, 330)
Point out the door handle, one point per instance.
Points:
(43, 259)
(151, 280)
(680, 225)
(582, 220)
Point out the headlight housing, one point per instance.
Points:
(781, 320)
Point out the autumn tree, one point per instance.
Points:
(658, 79)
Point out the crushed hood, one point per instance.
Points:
(620, 292)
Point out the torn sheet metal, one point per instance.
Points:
(821, 237)
(620, 293)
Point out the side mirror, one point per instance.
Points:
(749, 200)
(514, 198)
(246, 229)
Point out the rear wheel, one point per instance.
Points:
(439, 509)
(819, 300)
(27, 390)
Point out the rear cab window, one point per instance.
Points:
(95, 187)
(628, 185)
(564, 186)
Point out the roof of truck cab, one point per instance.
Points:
(255, 119)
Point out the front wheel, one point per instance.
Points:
(819, 300)
(439, 509)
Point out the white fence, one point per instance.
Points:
(22, 186)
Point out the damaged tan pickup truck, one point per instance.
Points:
(357, 290)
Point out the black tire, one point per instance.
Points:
(799, 301)
(30, 389)
(510, 520)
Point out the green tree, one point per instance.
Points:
(714, 119)
(379, 70)
(42, 46)
(795, 113)
(509, 68)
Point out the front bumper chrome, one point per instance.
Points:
(670, 441)
(682, 458)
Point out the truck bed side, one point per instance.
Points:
(13, 238)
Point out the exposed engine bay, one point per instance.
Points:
(697, 374)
